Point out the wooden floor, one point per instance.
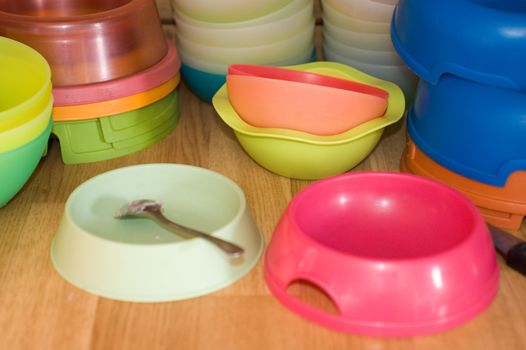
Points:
(39, 310)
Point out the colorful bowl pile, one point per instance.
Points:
(467, 126)
(357, 33)
(114, 73)
(213, 34)
(300, 123)
(25, 114)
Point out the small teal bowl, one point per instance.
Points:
(202, 83)
(17, 165)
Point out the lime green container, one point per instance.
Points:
(115, 136)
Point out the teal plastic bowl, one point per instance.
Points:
(202, 83)
(17, 165)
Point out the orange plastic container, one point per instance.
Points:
(272, 97)
(504, 207)
(117, 106)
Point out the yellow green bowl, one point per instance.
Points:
(301, 155)
(25, 86)
(21, 134)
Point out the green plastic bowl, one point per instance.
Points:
(300, 155)
(138, 260)
(25, 85)
(106, 138)
(17, 165)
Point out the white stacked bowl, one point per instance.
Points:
(357, 33)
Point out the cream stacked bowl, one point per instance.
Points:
(213, 34)
(357, 33)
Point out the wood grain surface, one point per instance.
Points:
(40, 310)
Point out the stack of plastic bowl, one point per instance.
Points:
(308, 121)
(114, 73)
(25, 114)
(357, 33)
(213, 34)
(467, 126)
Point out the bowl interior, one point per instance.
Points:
(24, 73)
(24, 132)
(190, 196)
(21, 81)
(59, 8)
(379, 216)
(295, 76)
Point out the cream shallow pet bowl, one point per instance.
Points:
(138, 260)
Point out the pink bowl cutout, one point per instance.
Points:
(142, 81)
(399, 255)
(273, 97)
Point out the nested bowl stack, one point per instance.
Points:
(111, 65)
(466, 126)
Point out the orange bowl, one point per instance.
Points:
(504, 207)
(272, 97)
(115, 106)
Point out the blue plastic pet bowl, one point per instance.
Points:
(480, 40)
(473, 129)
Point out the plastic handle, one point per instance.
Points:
(516, 258)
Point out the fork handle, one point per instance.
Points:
(231, 249)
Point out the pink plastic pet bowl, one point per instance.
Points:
(399, 255)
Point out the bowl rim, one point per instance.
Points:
(142, 81)
(331, 14)
(289, 9)
(299, 12)
(131, 7)
(116, 106)
(29, 143)
(266, 73)
(478, 221)
(28, 130)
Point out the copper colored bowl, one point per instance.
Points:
(87, 41)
